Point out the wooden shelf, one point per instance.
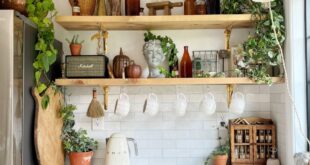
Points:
(155, 22)
(159, 81)
(242, 144)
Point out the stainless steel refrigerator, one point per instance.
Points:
(17, 53)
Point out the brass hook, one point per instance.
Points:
(227, 33)
(106, 96)
(230, 91)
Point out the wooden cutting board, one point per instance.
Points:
(48, 127)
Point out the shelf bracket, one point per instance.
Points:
(227, 33)
(105, 96)
(229, 91)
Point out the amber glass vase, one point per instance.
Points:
(186, 64)
(132, 7)
(189, 7)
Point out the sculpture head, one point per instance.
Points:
(153, 53)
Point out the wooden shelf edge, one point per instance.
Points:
(160, 81)
(162, 22)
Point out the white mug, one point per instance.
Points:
(208, 104)
(151, 105)
(181, 104)
(122, 105)
(237, 104)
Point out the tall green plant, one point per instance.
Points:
(260, 50)
(41, 13)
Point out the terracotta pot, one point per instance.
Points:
(80, 158)
(87, 7)
(75, 49)
(18, 5)
(220, 160)
(133, 70)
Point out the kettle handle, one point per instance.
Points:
(135, 145)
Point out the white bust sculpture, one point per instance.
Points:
(154, 56)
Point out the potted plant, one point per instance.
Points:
(260, 52)
(219, 156)
(75, 45)
(162, 48)
(76, 144)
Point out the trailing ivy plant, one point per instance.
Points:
(260, 50)
(169, 50)
(41, 13)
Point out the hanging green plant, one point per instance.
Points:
(260, 50)
(41, 13)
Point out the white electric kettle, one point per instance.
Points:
(117, 151)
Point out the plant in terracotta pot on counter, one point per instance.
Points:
(75, 45)
(77, 144)
(219, 156)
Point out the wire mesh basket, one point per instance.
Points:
(206, 62)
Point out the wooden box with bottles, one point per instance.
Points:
(251, 140)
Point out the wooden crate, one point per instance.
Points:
(258, 129)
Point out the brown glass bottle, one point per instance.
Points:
(189, 7)
(76, 8)
(132, 7)
(186, 64)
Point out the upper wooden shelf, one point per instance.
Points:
(159, 81)
(155, 22)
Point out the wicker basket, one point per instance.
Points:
(87, 6)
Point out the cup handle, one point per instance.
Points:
(154, 96)
(210, 95)
(144, 106)
(116, 103)
(125, 96)
(182, 96)
(240, 95)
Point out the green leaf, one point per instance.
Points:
(38, 76)
(52, 59)
(36, 65)
(41, 87)
(46, 63)
(45, 101)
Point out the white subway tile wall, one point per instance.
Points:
(279, 116)
(167, 139)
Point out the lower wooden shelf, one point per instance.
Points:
(161, 81)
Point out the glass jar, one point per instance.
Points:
(247, 153)
(247, 136)
(200, 7)
(239, 137)
(242, 152)
(261, 136)
(262, 152)
(213, 6)
(237, 152)
(269, 136)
